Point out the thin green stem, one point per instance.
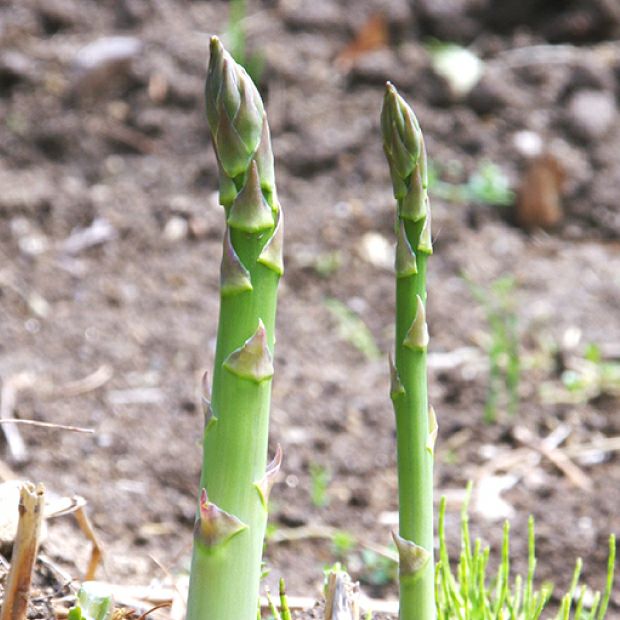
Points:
(415, 422)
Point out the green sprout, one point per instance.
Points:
(320, 477)
(591, 376)
(377, 569)
(284, 612)
(416, 426)
(488, 184)
(343, 543)
(498, 301)
(470, 593)
(253, 63)
(236, 480)
(94, 602)
(353, 329)
(327, 263)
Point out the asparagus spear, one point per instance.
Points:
(235, 480)
(416, 427)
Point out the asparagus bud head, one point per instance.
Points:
(234, 111)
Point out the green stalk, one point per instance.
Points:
(416, 426)
(235, 481)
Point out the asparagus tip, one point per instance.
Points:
(215, 46)
(234, 110)
(402, 139)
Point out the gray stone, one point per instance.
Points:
(15, 68)
(101, 65)
(591, 114)
(26, 192)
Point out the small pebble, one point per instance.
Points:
(591, 114)
(375, 249)
(528, 143)
(176, 228)
(100, 65)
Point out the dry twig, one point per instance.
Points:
(8, 402)
(91, 382)
(61, 427)
(342, 597)
(560, 459)
(17, 591)
(96, 552)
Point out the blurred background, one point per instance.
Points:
(110, 241)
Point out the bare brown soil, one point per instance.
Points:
(129, 150)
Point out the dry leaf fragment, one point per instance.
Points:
(539, 200)
(373, 35)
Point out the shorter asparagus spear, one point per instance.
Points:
(416, 426)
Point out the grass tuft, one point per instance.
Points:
(469, 593)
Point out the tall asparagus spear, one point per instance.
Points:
(416, 427)
(235, 480)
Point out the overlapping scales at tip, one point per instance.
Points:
(234, 110)
(403, 144)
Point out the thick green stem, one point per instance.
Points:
(415, 423)
(232, 513)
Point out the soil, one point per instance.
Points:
(120, 149)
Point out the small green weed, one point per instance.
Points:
(343, 543)
(353, 329)
(487, 185)
(253, 63)
(377, 569)
(327, 264)
(586, 376)
(498, 301)
(469, 594)
(320, 478)
(592, 376)
(283, 613)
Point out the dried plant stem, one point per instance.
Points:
(342, 597)
(60, 427)
(8, 398)
(96, 552)
(17, 592)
